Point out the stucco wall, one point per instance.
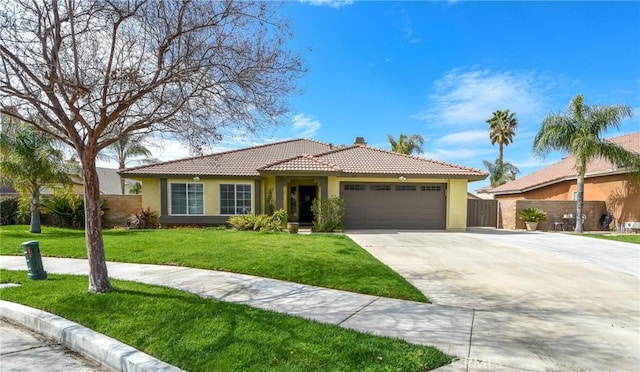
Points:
(457, 205)
(456, 193)
(151, 194)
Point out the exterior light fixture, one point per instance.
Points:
(196, 179)
(402, 178)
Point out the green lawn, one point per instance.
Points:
(199, 334)
(325, 260)
(628, 238)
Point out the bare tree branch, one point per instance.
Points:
(96, 70)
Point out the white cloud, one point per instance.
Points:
(332, 3)
(408, 31)
(305, 126)
(468, 98)
(469, 136)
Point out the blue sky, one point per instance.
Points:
(440, 69)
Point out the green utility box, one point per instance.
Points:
(31, 252)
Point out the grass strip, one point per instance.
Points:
(620, 238)
(199, 334)
(325, 260)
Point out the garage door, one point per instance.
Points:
(394, 206)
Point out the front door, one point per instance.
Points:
(307, 195)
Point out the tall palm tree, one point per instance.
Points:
(127, 146)
(406, 144)
(502, 128)
(29, 161)
(501, 173)
(579, 133)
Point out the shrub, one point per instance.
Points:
(23, 214)
(263, 222)
(532, 214)
(270, 205)
(328, 214)
(143, 219)
(66, 209)
(8, 210)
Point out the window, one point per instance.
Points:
(380, 188)
(431, 188)
(354, 187)
(187, 199)
(574, 196)
(405, 188)
(235, 199)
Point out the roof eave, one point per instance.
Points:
(417, 175)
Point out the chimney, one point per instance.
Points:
(360, 141)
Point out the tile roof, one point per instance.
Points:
(242, 162)
(360, 159)
(306, 156)
(565, 169)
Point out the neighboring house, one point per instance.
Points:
(603, 182)
(109, 182)
(381, 189)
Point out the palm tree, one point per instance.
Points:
(501, 173)
(406, 144)
(502, 128)
(29, 161)
(579, 133)
(127, 146)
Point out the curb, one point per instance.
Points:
(105, 350)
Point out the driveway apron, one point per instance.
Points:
(540, 301)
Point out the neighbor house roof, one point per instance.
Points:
(110, 182)
(565, 170)
(305, 156)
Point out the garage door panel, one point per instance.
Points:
(394, 206)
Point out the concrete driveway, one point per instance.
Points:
(540, 301)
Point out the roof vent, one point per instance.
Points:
(360, 141)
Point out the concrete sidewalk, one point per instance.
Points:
(445, 327)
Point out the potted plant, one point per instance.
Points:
(292, 227)
(531, 216)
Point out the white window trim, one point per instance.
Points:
(235, 184)
(182, 214)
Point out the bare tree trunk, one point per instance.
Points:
(98, 275)
(34, 208)
(579, 203)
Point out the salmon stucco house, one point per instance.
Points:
(619, 188)
(381, 189)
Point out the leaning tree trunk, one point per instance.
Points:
(579, 203)
(34, 208)
(98, 275)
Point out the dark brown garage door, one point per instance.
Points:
(394, 206)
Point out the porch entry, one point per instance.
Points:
(302, 197)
